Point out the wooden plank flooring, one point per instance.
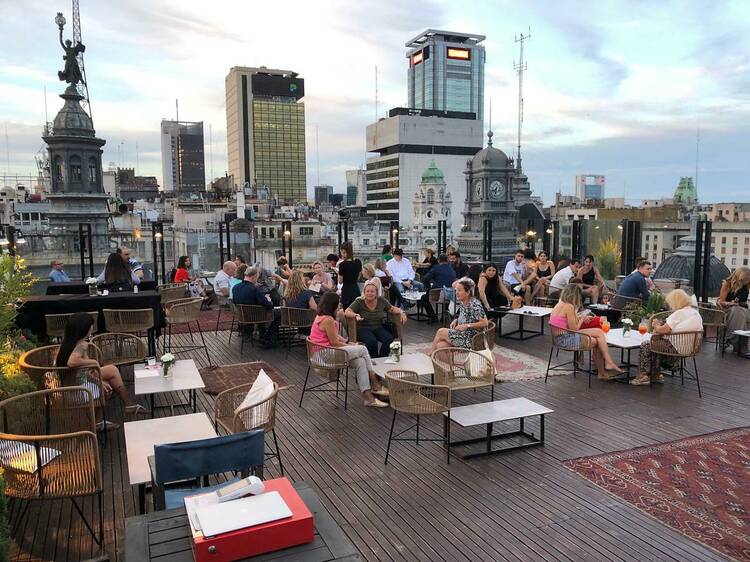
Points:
(522, 505)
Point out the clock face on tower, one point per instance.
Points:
(478, 189)
(497, 191)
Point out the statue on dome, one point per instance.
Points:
(72, 72)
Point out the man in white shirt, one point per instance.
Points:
(560, 279)
(513, 277)
(402, 273)
(223, 281)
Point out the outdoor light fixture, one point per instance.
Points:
(395, 231)
(530, 233)
(137, 233)
(158, 235)
(549, 230)
(60, 20)
(21, 240)
(4, 242)
(619, 226)
(287, 233)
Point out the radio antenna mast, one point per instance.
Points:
(376, 92)
(83, 86)
(520, 67)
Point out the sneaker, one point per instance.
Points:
(382, 391)
(640, 381)
(376, 404)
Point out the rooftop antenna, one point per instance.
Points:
(376, 92)
(490, 115)
(83, 86)
(210, 152)
(317, 155)
(136, 157)
(7, 152)
(697, 155)
(46, 116)
(520, 67)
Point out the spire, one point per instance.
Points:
(489, 138)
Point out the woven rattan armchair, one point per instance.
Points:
(484, 338)
(462, 369)
(56, 323)
(262, 415)
(134, 321)
(119, 349)
(570, 341)
(620, 302)
(251, 315)
(183, 312)
(716, 318)
(329, 363)
(409, 396)
(393, 317)
(172, 291)
(436, 300)
(677, 349)
(49, 450)
(292, 320)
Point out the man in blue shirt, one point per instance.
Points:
(57, 274)
(634, 285)
(247, 292)
(440, 275)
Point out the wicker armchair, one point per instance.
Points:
(134, 321)
(569, 341)
(56, 323)
(484, 338)
(326, 362)
(678, 348)
(49, 449)
(171, 292)
(461, 369)
(714, 317)
(250, 315)
(393, 317)
(119, 349)
(184, 312)
(436, 300)
(620, 302)
(262, 415)
(292, 320)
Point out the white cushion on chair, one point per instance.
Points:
(261, 390)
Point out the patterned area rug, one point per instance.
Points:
(219, 379)
(207, 321)
(511, 365)
(699, 486)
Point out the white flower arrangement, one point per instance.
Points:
(91, 281)
(167, 358)
(395, 346)
(628, 322)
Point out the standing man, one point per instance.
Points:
(57, 274)
(514, 277)
(402, 273)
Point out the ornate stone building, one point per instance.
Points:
(432, 203)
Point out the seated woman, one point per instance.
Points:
(545, 269)
(239, 276)
(733, 299)
(684, 318)
(371, 313)
(489, 288)
(322, 278)
(282, 268)
(196, 286)
(592, 282)
(471, 319)
(325, 331)
(117, 275)
(73, 353)
(368, 272)
(566, 316)
(296, 294)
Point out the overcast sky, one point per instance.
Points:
(618, 88)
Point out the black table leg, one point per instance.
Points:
(141, 498)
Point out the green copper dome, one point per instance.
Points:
(433, 174)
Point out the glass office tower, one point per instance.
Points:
(446, 72)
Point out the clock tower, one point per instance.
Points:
(490, 181)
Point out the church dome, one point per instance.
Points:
(72, 119)
(490, 157)
(679, 266)
(433, 174)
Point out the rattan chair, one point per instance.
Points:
(183, 312)
(250, 315)
(119, 349)
(620, 302)
(714, 317)
(409, 396)
(570, 341)
(394, 319)
(462, 369)
(49, 450)
(485, 339)
(678, 348)
(262, 415)
(292, 321)
(436, 300)
(135, 321)
(56, 323)
(329, 363)
(171, 292)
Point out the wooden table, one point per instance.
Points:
(141, 437)
(522, 313)
(489, 413)
(183, 375)
(165, 536)
(616, 339)
(418, 362)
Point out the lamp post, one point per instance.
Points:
(487, 241)
(394, 235)
(442, 241)
(287, 235)
(85, 246)
(157, 245)
(530, 238)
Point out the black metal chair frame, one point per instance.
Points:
(445, 439)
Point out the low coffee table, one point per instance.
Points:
(488, 413)
(522, 313)
(615, 338)
(417, 362)
(184, 376)
(414, 297)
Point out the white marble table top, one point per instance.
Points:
(635, 339)
(539, 311)
(417, 362)
(412, 295)
(184, 375)
(497, 411)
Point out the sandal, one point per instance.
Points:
(382, 391)
(137, 409)
(376, 404)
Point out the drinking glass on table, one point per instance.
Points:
(642, 328)
(605, 325)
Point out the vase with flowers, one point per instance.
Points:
(166, 363)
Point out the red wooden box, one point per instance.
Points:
(268, 537)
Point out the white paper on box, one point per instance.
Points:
(215, 519)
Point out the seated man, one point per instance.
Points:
(563, 276)
(57, 274)
(514, 277)
(223, 281)
(634, 285)
(402, 273)
(440, 276)
(247, 292)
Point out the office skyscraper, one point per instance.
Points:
(446, 72)
(590, 187)
(182, 157)
(266, 131)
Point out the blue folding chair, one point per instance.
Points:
(196, 460)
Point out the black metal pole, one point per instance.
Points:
(346, 231)
(555, 241)
(575, 244)
(154, 253)
(160, 226)
(289, 229)
(82, 250)
(228, 228)
(11, 236)
(487, 240)
(340, 235)
(283, 239)
(221, 243)
(707, 229)
(90, 249)
(624, 248)
(697, 260)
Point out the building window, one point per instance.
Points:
(734, 261)
(365, 241)
(734, 240)
(647, 237)
(92, 171)
(75, 168)
(723, 239)
(305, 230)
(58, 169)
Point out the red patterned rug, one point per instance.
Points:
(699, 486)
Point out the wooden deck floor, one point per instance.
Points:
(522, 505)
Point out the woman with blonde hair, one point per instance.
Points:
(368, 272)
(296, 294)
(733, 299)
(684, 318)
(567, 315)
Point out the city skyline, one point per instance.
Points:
(620, 94)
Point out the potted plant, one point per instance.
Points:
(166, 362)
